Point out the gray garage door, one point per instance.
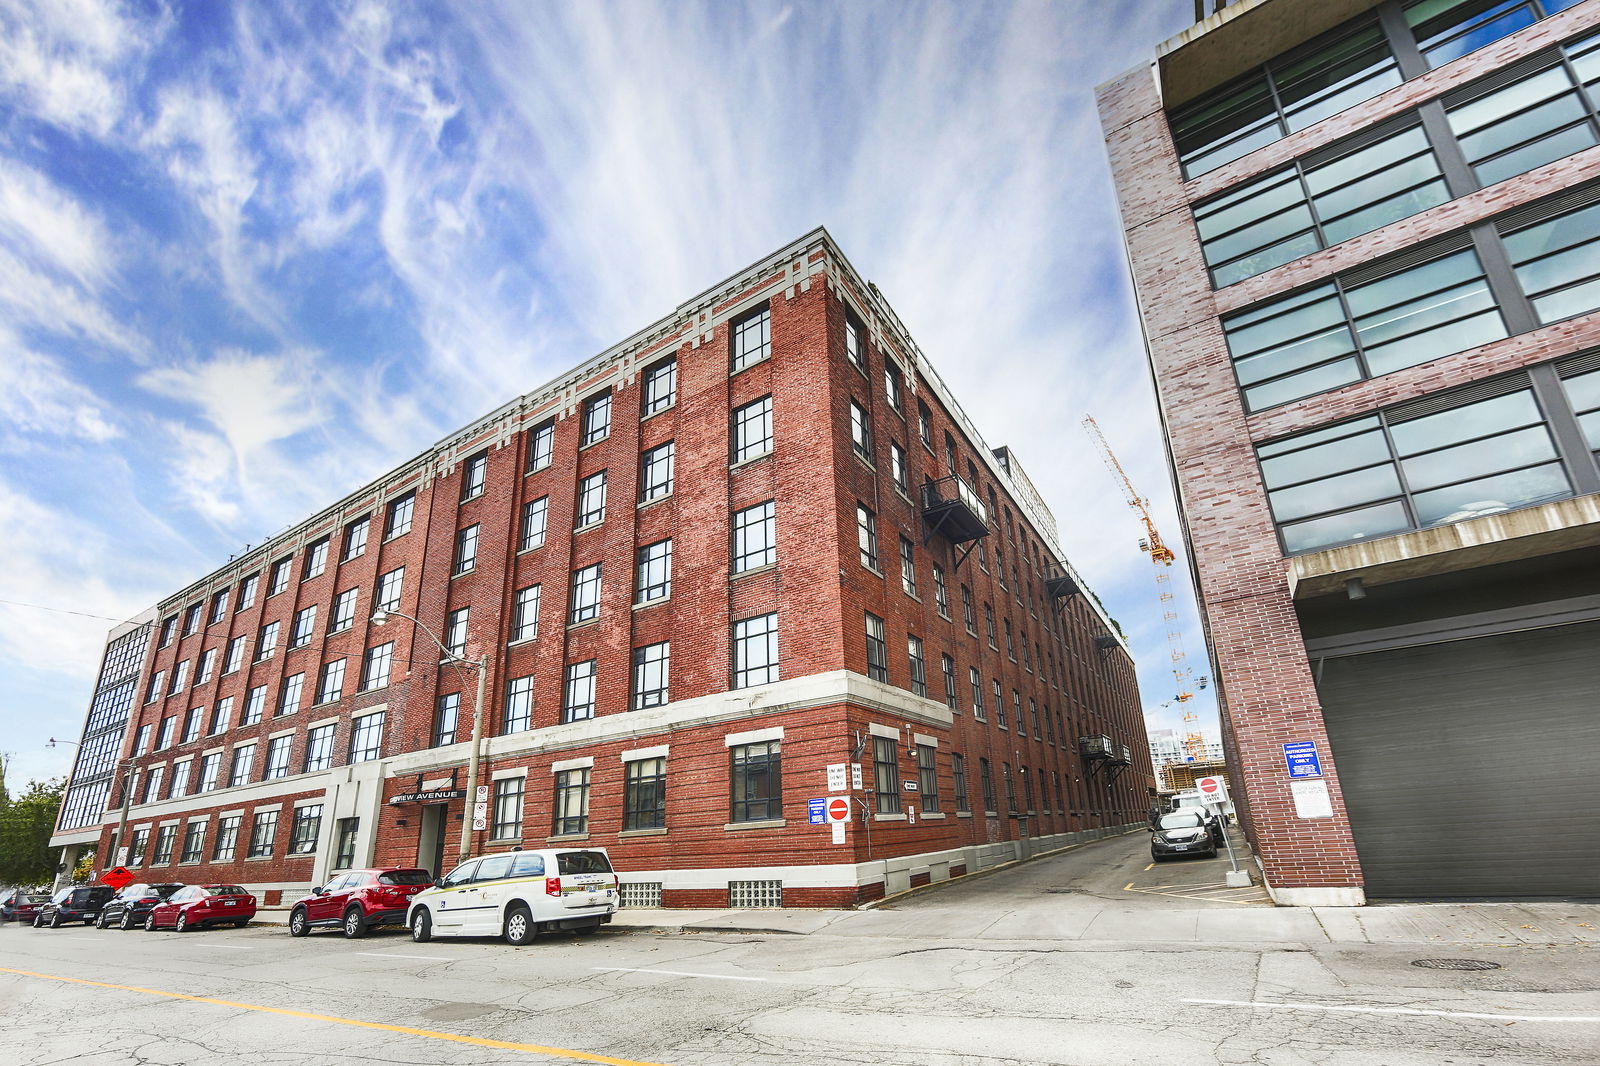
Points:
(1472, 768)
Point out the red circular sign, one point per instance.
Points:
(1209, 784)
(838, 809)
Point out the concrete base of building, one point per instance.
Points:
(1317, 895)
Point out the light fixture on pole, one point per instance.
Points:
(381, 617)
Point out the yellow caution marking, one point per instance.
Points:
(431, 1034)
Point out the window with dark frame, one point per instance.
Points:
(867, 536)
(474, 475)
(466, 559)
(535, 518)
(194, 842)
(919, 666)
(752, 430)
(366, 737)
(660, 387)
(263, 832)
(893, 384)
(644, 804)
(289, 695)
(877, 649)
(344, 611)
(397, 517)
(651, 666)
(855, 342)
(754, 537)
(755, 651)
(525, 614)
(585, 602)
(886, 775)
(898, 472)
(541, 445)
(316, 559)
(908, 566)
(653, 573)
(596, 419)
(278, 577)
(751, 338)
(389, 585)
(247, 592)
(861, 432)
(518, 715)
(756, 782)
(277, 763)
(592, 500)
(227, 842)
(455, 631)
(375, 666)
(508, 795)
(305, 829)
(355, 538)
(305, 621)
(571, 811)
(345, 833)
(446, 713)
(577, 701)
(330, 682)
(958, 776)
(928, 778)
(655, 473)
(952, 695)
(319, 749)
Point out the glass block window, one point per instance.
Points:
(877, 649)
(1558, 263)
(660, 387)
(645, 794)
(752, 429)
(755, 895)
(641, 893)
(1543, 115)
(592, 500)
(1317, 202)
(572, 803)
(519, 705)
(1387, 473)
(653, 573)
(577, 702)
(585, 606)
(755, 537)
(535, 520)
(651, 666)
(757, 781)
(1342, 331)
(596, 419)
(525, 614)
(655, 473)
(752, 339)
(755, 651)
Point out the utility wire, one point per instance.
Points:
(61, 610)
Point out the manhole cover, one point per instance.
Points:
(1455, 964)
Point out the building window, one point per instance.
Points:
(755, 651)
(535, 518)
(1016, 710)
(1583, 393)
(1011, 787)
(307, 826)
(151, 791)
(755, 537)
(180, 677)
(757, 782)
(999, 703)
(355, 538)
(952, 698)
(141, 740)
(319, 749)
(397, 517)
(925, 425)
(219, 606)
(877, 649)
(975, 679)
(136, 847)
(455, 631)
(654, 576)
(191, 724)
(519, 705)
(263, 831)
(227, 842)
(305, 621)
(191, 619)
(855, 343)
(651, 665)
(316, 559)
(988, 625)
(508, 792)
(1386, 473)
(1558, 261)
(221, 716)
(893, 389)
(525, 614)
(165, 837)
(660, 387)
(886, 775)
(180, 778)
(289, 697)
(908, 566)
(278, 580)
(344, 611)
(585, 595)
(266, 642)
(344, 850)
(1011, 641)
(958, 773)
(375, 669)
(168, 727)
(572, 803)
(1446, 31)
(366, 738)
(752, 429)
(967, 617)
(860, 432)
(1542, 116)
(867, 536)
(644, 804)
(247, 591)
(210, 771)
(897, 467)
(928, 778)
(1325, 76)
(388, 598)
(255, 704)
(466, 549)
(541, 446)
(592, 500)
(244, 758)
(577, 700)
(919, 666)
(277, 758)
(445, 715)
(941, 592)
(655, 473)
(473, 476)
(1317, 202)
(596, 419)
(752, 339)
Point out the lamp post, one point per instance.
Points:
(381, 616)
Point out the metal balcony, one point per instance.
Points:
(1096, 746)
(1060, 587)
(953, 510)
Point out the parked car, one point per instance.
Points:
(1184, 832)
(358, 900)
(75, 903)
(519, 894)
(126, 910)
(201, 905)
(22, 906)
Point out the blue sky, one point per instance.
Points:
(252, 256)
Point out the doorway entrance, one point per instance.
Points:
(430, 842)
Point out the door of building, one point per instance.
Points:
(1467, 765)
(431, 838)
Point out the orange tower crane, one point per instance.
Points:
(1161, 557)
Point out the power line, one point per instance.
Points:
(62, 610)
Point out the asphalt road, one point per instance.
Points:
(976, 972)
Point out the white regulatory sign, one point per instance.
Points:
(1311, 799)
(480, 823)
(836, 777)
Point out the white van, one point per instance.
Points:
(517, 894)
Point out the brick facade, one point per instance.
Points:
(1066, 683)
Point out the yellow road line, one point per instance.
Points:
(1208, 899)
(1152, 866)
(477, 1041)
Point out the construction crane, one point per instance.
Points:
(1161, 557)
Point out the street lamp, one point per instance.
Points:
(380, 617)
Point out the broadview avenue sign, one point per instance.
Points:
(429, 797)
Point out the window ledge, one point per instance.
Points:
(931, 817)
(597, 440)
(889, 817)
(525, 551)
(591, 525)
(258, 858)
(754, 362)
(630, 833)
(766, 568)
(642, 604)
(652, 501)
(908, 592)
(901, 492)
(873, 570)
(673, 406)
(742, 463)
(766, 823)
(864, 461)
(497, 841)
(580, 625)
(524, 640)
(537, 469)
(963, 814)
(565, 838)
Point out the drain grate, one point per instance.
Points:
(1455, 964)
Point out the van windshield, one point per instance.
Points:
(583, 862)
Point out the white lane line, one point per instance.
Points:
(1397, 1010)
(675, 973)
(392, 955)
(225, 947)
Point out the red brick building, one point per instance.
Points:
(1365, 243)
(755, 540)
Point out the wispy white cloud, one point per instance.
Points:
(40, 402)
(64, 61)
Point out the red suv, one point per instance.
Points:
(358, 900)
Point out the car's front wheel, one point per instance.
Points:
(299, 924)
(355, 924)
(421, 926)
(55, 920)
(127, 921)
(519, 926)
(36, 922)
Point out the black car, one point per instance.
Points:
(1182, 832)
(21, 906)
(126, 910)
(73, 904)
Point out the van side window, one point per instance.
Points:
(583, 862)
(527, 864)
(493, 868)
(459, 876)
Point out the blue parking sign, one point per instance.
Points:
(1302, 759)
(817, 811)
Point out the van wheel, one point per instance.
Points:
(421, 926)
(298, 925)
(519, 926)
(355, 925)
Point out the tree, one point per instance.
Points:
(26, 823)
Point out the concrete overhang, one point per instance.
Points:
(1241, 37)
(1522, 534)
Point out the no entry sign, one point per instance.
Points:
(1212, 789)
(838, 809)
